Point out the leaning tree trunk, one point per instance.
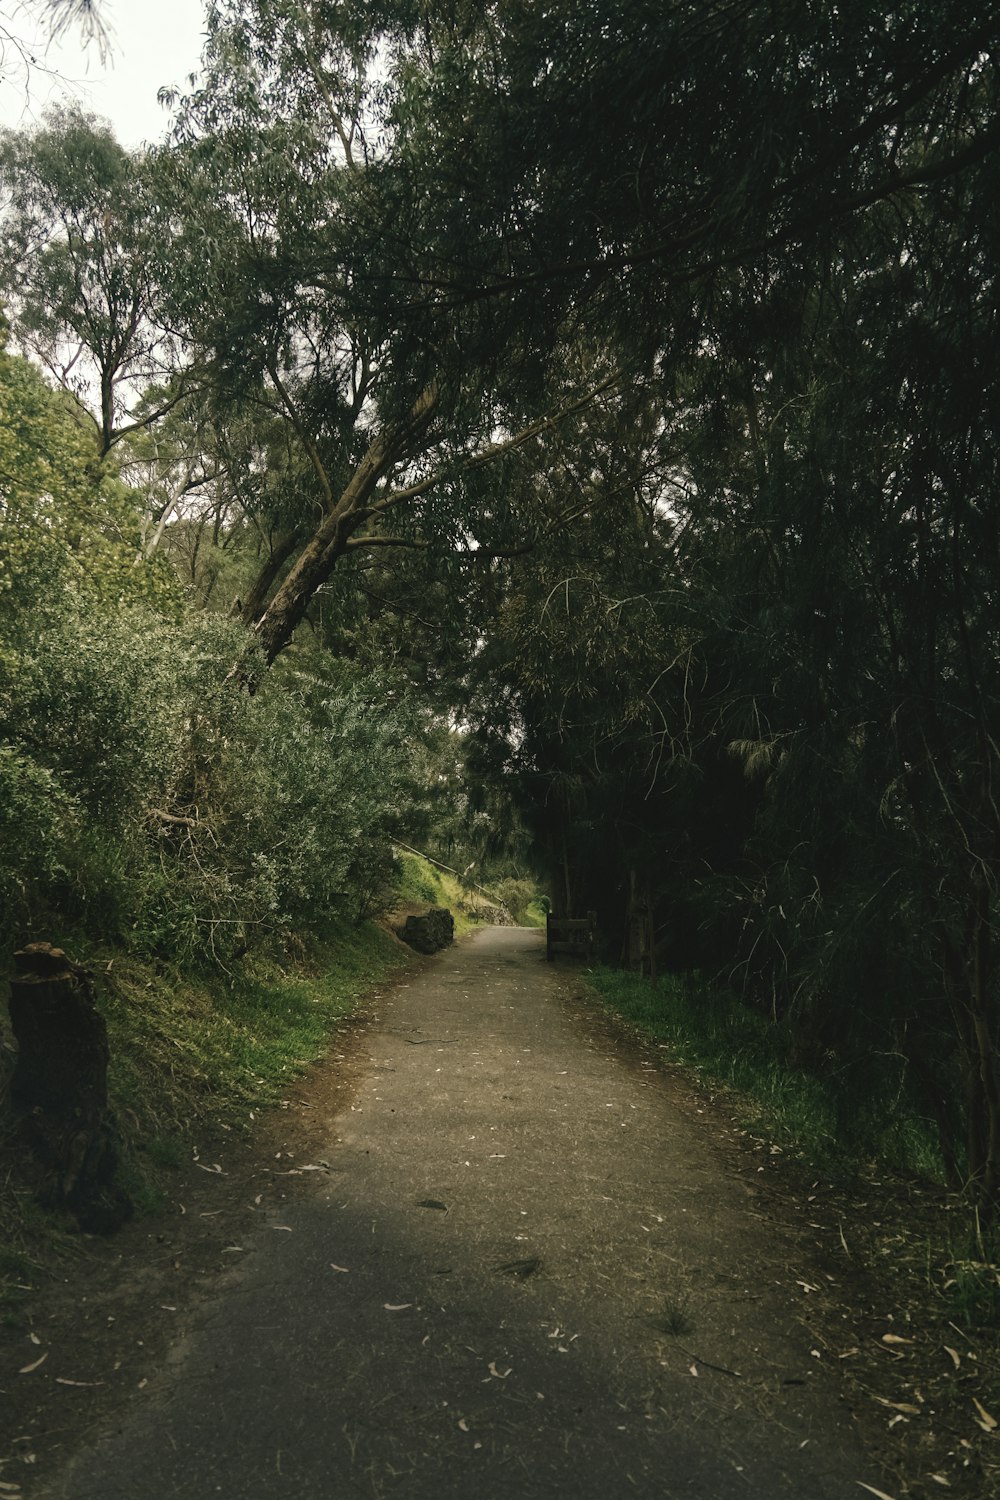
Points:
(342, 517)
(252, 606)
(59, 1087)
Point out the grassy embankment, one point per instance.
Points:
(197, 1052)
(817, 1114)
(841, 1131)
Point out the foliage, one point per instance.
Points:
(418, 883)
(617, 382)
(69, 528)
(834, 1122)
(146, 799)
(194, 820)
(76, 244)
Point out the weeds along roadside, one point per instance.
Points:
(915, 1326)
(197, 1053)
(850, 1140)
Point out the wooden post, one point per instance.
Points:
(639, 948)
(60, 1086)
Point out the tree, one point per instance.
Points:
(274, 184)
(77, 238)
(67, 527)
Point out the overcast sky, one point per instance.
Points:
(153, 43)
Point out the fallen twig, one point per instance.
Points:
(720, 1369)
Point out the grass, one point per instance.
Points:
(192, 1053)
(207, 1051)
(675, 1317)
(422, 884)
(971, 1292)
(31, 1241)
(814, 1113)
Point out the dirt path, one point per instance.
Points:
(519, 1268)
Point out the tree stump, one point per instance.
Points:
(60, 1086)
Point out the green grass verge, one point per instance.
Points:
(816, 1114)
(193, 1055)
(203, 1053)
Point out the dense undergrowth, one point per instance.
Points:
(426, 883)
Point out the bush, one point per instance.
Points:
(147, 799)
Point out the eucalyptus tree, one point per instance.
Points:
(284, 194)
(839, 555)
(76, 251)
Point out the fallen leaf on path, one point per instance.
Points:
(693, 1370)
(433, 1203)
(986, 1422)
(904, 1406)
(27, 1369)
(344, 1269)
(34, 1338)
(895, 1338)
(956, 1358)
(463, 1424)
(879, 1494)
(396, 1306)
(9, 1489)
(500, 1374)
(61, 1381)
(216, 1170)
(233, 1250)
(940, 1479)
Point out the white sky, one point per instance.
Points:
(154, 43)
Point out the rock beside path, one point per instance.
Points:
(431, 932)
